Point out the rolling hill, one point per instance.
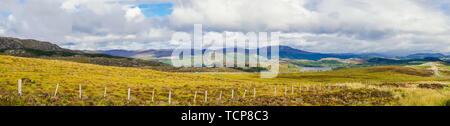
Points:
(423, 55)
(285, 52)
(15, 43)
(47, 50)
(41, 76)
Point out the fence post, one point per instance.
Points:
(19, 86)
(307, 87)
(275, 92)
(195, 97)
(153, 95)
(220, 95)
(254, 92)
(80, 92)
(56, 90)
(320, 86)
(329, 86)
(245, 91)
(232, 93)
(104, 94)
(129, 90)
(170, 93)
(206, 96)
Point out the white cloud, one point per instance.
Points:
(381, 15)
(93, 39)
(244, 14)
(157, 34)
(134, 15)
(2, 32)
(294, 15)
(70, 5)
(313, 25)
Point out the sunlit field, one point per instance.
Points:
(109, 86)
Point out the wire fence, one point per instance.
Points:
(207, 96)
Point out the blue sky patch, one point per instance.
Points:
(151, 10)
(445, 8)
(4, 14)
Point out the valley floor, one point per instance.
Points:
(119, 86)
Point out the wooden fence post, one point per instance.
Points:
(195, 97)
(220, 95)
(275, 92)
(80, 92)
(56, 90)
(170, 93)
(245, 91)
(206, 96)
(254, 92)
(153, 95)
(104, 94)
(232, 93)
(129, 90)
(19, 86)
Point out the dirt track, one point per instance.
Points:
(436, 70)
(433, 67)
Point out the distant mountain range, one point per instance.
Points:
(292, 53)
(146, 54)
(284, 52)
(424, 55)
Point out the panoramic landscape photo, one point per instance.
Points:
(224, 53)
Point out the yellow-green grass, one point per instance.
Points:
(45, 74)
(422, 67)
(424, 97)
(444, 67)
(444, 70)
(378, 74)
(288, 68)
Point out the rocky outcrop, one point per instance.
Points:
(15, 43)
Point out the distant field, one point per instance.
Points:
(445, 67)
(422, 67)
(389, 85)
(446, 71)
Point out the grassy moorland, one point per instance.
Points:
(386, 85)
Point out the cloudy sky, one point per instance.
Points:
(335, 26)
